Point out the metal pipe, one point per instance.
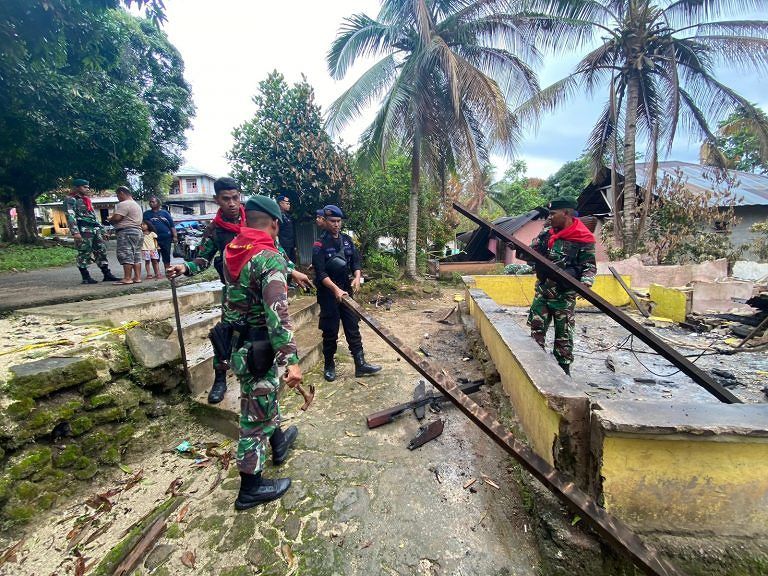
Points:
(608, 526)
(698, 375)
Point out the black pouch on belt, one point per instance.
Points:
(261, 356)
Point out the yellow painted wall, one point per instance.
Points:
(687, 485)
(519, 290)
(672, 303)
(540, 423)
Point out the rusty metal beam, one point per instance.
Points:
(609, 527)
(699, 376)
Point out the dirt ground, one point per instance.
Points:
(360, 503)
(639, 373)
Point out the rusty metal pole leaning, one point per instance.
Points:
(698, 375)
(179, 332)
(609, 527)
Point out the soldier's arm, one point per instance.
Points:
(321, 276)
(588, 264)
(274, 287)
(69, 208)
(288, 261)
(205, 254)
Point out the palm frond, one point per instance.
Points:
(744, 53)
(518, 80)
(358, 96)
(358, 37)
(599, 143)
(757, 28)
(547, 100)
(498, 30)
(585, 10)
(685, 12)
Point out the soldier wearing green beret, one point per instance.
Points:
(87, 232)
(570, 246)
(256, 307)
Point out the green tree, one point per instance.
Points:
(445, 70)
(514, 192)
(72, 85)
(657, 58)
(569, 180)
(742, 143)
(284, 148)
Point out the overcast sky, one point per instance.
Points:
(229, 46)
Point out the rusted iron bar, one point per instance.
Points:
(629, 292)
(698, 375)
(612, 529)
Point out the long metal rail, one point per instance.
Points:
(609, 527)
(698, 375)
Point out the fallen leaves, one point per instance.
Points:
(9, 554)
(175, 486)
(188, 558)
(182, 513)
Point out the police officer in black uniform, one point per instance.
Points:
(338, 272)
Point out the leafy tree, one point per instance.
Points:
(284, 149)
(759, 244)
(445, 70)
(742, 143)
(568, 181)
(657, 58)
(514, 193)
(72, 87)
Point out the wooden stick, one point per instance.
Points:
(620, 280)
(749, 336)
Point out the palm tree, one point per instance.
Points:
(445, 73)
(657, 58)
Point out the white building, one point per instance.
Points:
(191, 192)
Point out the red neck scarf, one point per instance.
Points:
(85, 199)
(219, 221)
(245, 246)
(576, 232)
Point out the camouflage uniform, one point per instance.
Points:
(83, 221)
(552, 301)
(259, 298)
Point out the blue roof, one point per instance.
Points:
(751, 189)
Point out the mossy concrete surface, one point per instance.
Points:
(41, 377)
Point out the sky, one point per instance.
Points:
(229, 46)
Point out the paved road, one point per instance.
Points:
(62, 284)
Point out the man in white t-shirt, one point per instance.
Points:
(127, 222)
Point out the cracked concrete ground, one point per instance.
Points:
(361, 503)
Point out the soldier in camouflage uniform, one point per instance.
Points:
(87, 232)
(220, 232)
(571, 246)
(257, 307)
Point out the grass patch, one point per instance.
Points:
(21, 257)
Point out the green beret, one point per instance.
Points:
(561, 203)
(79, 182)
(264, 204)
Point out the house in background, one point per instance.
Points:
(751, 189)
(191, 193)
(53, 212)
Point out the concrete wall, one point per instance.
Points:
(519, 290)
(747, 216)
(676, 275)
(688, 470)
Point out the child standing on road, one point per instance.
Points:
(149, 249)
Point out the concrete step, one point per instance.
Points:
(142, 306)
(197, 323)
(224, 417)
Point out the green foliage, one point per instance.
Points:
(743, 141)
(284, 148)
(514, 192)
(686, 226)
(94, 92)
(19, 257)
(760, 244)
(380, 264)
(568, 181)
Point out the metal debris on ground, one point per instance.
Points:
(426, 434)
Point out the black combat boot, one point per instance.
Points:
(255, 490)
(329, 370)
(219, 387)
(108, 276)
(281, 442)
(362, 368)
(87, 277)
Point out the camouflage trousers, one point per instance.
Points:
(259, 413)
(91, 248)
(561, 310)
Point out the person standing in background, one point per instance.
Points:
(127, 222)
(162, 221)
(287, 235)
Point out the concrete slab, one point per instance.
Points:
(144, 306)
(719, 296)
(679, 275)
(748, 270)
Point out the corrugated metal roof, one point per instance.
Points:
(752, 189)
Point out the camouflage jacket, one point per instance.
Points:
(575, 258)
(211, 248)
(79, 217)
(259, 298)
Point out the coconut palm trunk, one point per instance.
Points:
(630, 170)
(413, 213)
